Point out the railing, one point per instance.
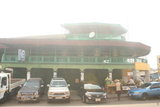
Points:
(97, 37)
(72, 59)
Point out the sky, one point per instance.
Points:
(44, 17)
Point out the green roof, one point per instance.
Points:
(99, 28)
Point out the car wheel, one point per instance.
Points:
(19, 102)
(68, 100)
(128, 94)
(87, 101)
(106, 100)
(49, 101)
(83, 99)
(158, 97)
(38, 100)
(144, 96)
(4, 98)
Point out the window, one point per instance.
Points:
(157, 85)
(58, 83)
(4, 81)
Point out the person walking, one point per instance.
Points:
(118, 89)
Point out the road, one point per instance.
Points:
(124, 102)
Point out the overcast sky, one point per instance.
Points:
(41, 17)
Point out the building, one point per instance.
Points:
(90, 52)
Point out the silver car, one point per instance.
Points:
(58, 90)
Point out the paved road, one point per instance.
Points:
(76, 101)
(125, 102)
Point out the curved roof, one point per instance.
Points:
(100, 28)
(124, 48)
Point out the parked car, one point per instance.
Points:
(151, 89)
(92, 93)
(58, 90)
(31, 90)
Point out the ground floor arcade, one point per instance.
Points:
(74, 74)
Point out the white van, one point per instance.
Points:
(58, 90)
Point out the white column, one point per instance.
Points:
(54, 74)
(28, 74)
(82, 76)
(110, 75)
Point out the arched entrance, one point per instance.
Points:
(95, 76)
(72, 76)
(116, 74)
(45, 73)
(20, 73)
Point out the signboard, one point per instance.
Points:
(21, 55)
(142, 66)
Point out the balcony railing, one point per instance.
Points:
(72, 60)
(97, 37)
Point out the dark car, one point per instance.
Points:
(31, 90)
(92, 93)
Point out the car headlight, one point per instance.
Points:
(19, 93)
(88, 95)
(36, 93)
(67, 92)
(50, 93)
(137, 92)
(105, 94)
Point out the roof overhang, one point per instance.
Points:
(134, 48)
(3, 46)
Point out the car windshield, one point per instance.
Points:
(31, 84)
(58, 83)
(145, 85)
(91, 86)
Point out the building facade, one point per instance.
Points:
(90, 52)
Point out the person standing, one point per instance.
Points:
(131, 82)
(118, 89)
(107, 82)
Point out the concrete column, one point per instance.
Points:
(125, 75)
(82, 76)
(135, 74)
(28, 74)
(110, 75)
(147, 76)
(54, 74)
